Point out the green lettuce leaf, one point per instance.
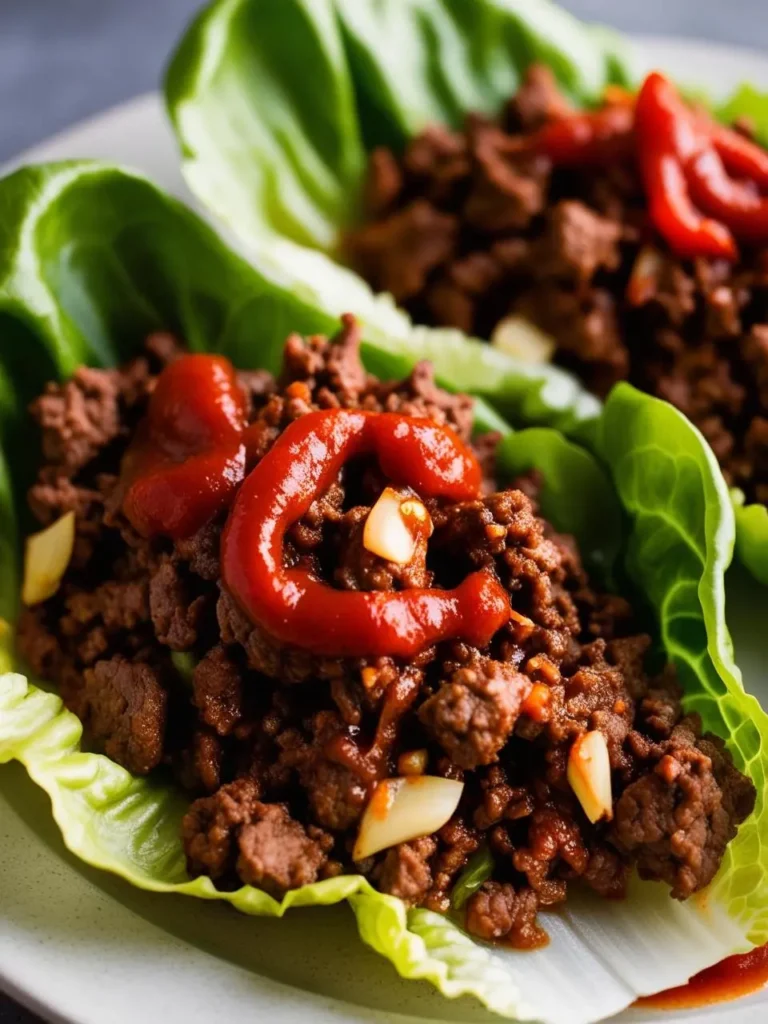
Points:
(747, 101)
(751, 536)
(91, 259)
(681, 543)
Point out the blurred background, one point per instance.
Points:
(62, 60)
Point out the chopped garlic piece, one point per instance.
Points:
(519, 338)
(47, 556)
(589, 775)
(404, 809)
(387, 533)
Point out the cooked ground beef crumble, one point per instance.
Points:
(247, 730)
(467, 228)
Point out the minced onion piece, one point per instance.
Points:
(520, 338)
(46, 558)
(386, 532)
(589, 775)
(404, 809)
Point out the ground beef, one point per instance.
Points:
(473, 714)
(498, 911)
(280, 750)
(217, 687)
(405, 870)
(201, 551)
(466, 228)
(212, 825)
(125, 707)
(359, 569)
(199, 765)
(275, 852)
(78, 418)
(176, 615)
(679, 817)
(416, 240)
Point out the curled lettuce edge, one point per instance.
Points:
(751, 535)
(665, 473)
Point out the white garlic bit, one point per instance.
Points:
(520, 338)
(589, 775)
(403, 809)
(46, 558)
(387, 531)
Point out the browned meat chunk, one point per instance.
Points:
(678, 818)
(398, 254)
(78, 418)
(537, 100)
(126, 711)
(473, 714)
(175, 615)
(218, 691)
(405, 871)
(276, 854)
(212, 824)
(497, 911)
(234, 831)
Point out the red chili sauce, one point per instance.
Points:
(707, 185)
(294, 606)
(736, 976)
(189, 458)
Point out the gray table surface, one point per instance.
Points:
(63, 60)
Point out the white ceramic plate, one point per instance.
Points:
(85, 948)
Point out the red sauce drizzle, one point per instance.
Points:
(707, 185)
(188, 456)
(736, 976)
(295, 607)
(188, 460)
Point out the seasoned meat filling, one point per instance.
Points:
(468, 228)
(280, 750)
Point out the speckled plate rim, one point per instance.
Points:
(87, 949)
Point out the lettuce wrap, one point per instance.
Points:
(92, 259)
(279, 154)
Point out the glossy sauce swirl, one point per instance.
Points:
(188, 460)
(188, 456)
(295, 607)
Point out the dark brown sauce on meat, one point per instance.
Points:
(732, 978)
